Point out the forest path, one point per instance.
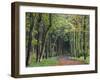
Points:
(63, 60)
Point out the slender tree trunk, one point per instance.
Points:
(46, 50)
(38, 38)
(44, 39)
(75, 43)
(84, 37)
(29, 40)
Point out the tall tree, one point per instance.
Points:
(29, 38)
(44, 38)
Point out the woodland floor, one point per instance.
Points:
(58, 61)
(63, 60)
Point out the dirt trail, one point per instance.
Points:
(67, 61)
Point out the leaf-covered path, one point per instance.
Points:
(63, 60)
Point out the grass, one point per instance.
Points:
(52, 61)
(45, 62)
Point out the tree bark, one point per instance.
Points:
(29, 40)
(44, 39)
(38, 38)
(84, 37)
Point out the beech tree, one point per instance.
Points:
(49, 35)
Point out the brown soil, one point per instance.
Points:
(63, 61)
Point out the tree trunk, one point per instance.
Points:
(84, 37)
(29, 40)
(44, 39)
(38, 38)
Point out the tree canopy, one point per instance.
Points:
(50, 35)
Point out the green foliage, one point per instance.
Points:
(45, 62)
(34, 42)
(46, 19)
(57, 34)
